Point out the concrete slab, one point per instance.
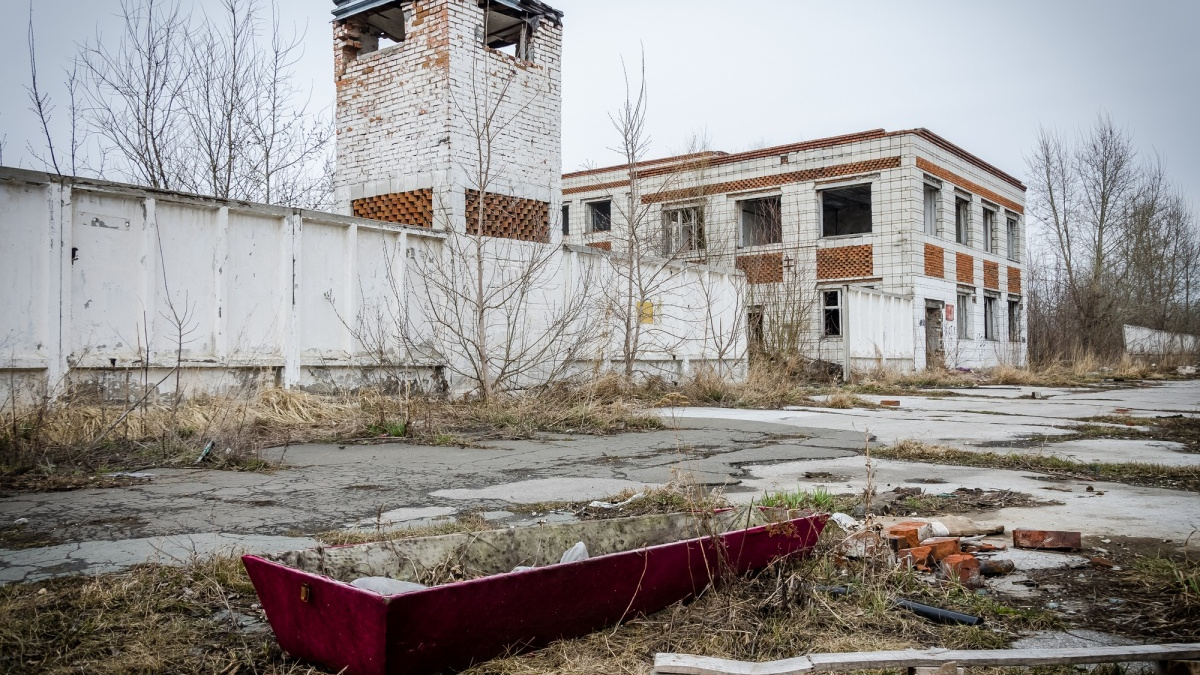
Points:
(1110, 509)
(545, 490)
(99, 557)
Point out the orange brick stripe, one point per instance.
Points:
(509, 217)
(408, 208)
(596, 186)
(777, 179)
(601, 245)
(1014, 280)
(845, 262)
(931, 168)
(935, 261)
(964, 268)
(762, 269)
(991, 275)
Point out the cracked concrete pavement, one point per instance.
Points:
(182, 512)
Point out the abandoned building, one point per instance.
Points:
(115, 289)
(876, 247)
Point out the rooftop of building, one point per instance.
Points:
(707, 159)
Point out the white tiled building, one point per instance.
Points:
(900, 244)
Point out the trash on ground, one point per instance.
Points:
(575, 553)
(129, 474)
(1048, 539)
(610, 505)
(846, 522)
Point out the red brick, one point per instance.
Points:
(1014, 280)
(942, 546)
(1047, 539)
(961, 567)
(918, 556)
(891, 403)
(766, 268)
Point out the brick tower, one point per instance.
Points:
(439, 101)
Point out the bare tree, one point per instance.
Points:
(1121, 244)
(647, 248)
(207, 105)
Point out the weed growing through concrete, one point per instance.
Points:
(1133, 473)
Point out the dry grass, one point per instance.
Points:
(64, 445)
(1133, 473)
(157, 619)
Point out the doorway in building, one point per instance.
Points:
(935, 353)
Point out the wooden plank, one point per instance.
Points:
(686, 664)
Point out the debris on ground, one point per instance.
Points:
(1048, 539)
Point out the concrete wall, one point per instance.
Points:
(99, 278)
(1141, 341)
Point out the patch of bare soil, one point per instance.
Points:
(916, 501)
(1135, 587)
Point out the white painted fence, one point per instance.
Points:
(110, 286)
(880, 328)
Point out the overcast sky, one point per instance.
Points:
(760, 72)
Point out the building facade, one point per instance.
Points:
(885, 248)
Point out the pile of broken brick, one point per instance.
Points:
(956, 552)
(966, 559)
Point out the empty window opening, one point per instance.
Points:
(566, 219)
(761, 221)
(989, 230)
(755, 328)
(599, 216)
(989, 318)
(376, 29)
(846, 210)
(683, 230)
(931, 202)
(963, 310)
(832, 302)
(1014, 320)
(1011, 233)
(962, 221)
(504, 32)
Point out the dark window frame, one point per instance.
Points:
(831, 313)
(599, 219)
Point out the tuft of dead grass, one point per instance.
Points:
(1132, 473)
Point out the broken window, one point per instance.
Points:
(846, 210)
(761, 221)
(599, 216)
(1013, 253)
(989, 318)
(931, 201)
(566, 219)
(683, 230)
(962, 221)
(989, 230)
(505, 30)
(832, 301)
(755, 328)
(377, 26)
(1014, 320)
(963, 309)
